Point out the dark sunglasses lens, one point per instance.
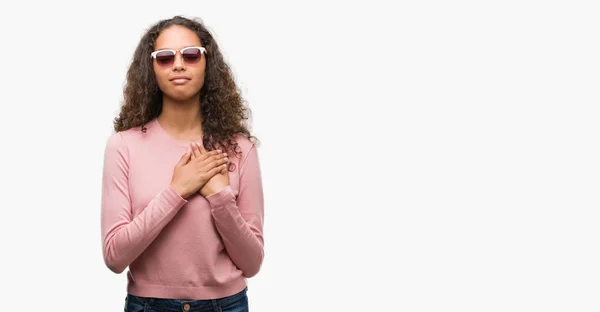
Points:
(165, 58)
(192, 55)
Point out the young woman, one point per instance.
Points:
(182, 198)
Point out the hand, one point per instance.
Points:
(219, 181)
(190, 175)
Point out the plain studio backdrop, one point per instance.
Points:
(416, 156)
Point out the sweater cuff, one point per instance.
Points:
(221, 197)
(171, 199)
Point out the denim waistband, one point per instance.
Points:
(187, 305)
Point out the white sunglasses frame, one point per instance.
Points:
(202, 50)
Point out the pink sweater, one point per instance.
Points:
(196, 248)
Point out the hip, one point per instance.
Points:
(235, 303)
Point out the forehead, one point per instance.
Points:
(176, 37)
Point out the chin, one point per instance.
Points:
(181, 96)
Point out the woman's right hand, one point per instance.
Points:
(190, 175)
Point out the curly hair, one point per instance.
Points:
(223, 109)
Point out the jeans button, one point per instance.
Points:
(186, 307)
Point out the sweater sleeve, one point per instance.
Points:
(124, 238)
(240, 222)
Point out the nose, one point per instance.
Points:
(178, 63)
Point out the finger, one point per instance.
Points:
(213, 162)
(218, 160)
(225, 165)
(225, 169)
(185, 157)
(212, 172)
(209, 156)
(215, 152)
(195, 149)
(222, 153)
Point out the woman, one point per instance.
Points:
(182, 198)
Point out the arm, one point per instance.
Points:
(241, 223)
(124, 238)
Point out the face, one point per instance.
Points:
(180, 77)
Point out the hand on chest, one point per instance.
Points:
(152, 172)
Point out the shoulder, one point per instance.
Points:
(120, 142)
(121, 139)
(118, 146)
(245, 144)
(249, 152)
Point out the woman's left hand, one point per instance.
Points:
(219, 181)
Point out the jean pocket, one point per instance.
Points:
(238, 304)
(134, 306)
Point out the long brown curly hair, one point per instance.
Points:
(223, 109)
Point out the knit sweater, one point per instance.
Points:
(195, 248)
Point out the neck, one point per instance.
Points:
(181, 117)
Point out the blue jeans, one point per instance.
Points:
(234, 303)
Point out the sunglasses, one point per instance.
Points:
(167, 57)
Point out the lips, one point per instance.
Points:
(179, 77)
(179, 80)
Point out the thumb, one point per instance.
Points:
(185, 157)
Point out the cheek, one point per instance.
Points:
(200, 81)
(160, 77)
